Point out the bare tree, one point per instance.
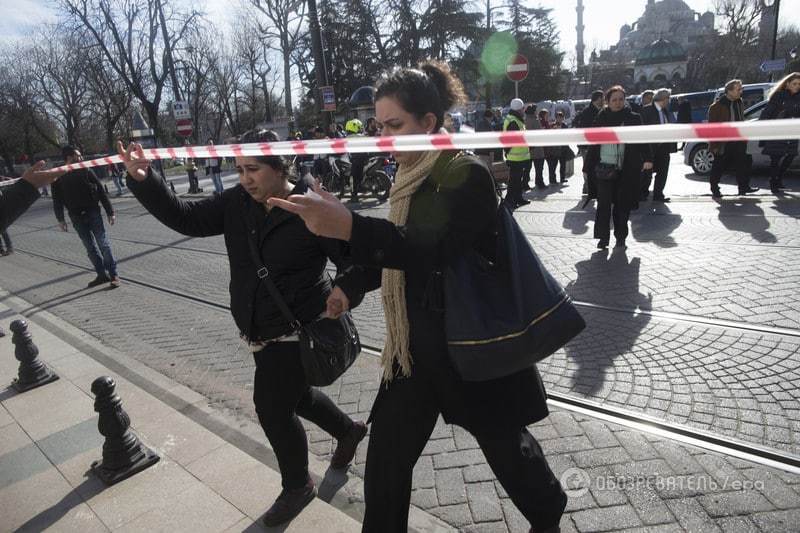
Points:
(134, 37)
(284, 28)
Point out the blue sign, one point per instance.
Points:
(773, 65)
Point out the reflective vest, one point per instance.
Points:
(518, 153)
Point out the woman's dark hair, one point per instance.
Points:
(614, 89)
(431, 88)
(278, 164)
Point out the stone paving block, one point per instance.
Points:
(450, 486)
(5, 417)
(514, 520)
(606, 519)
(463, 439)
(691, 515)
(777, 521)
(424, 498)
(605, 488)
(737, 524)
(599, 434)
(50, 408)
(600, 457)
(76, 364)
(437, 446)
(178, 437)
(21, 464)
(423, 474)
(12, 437)
(649, 505)
(719, 504)
(456, 515)
(483, 502)
(566, 445)
(780, 494)
(198, 509)
(457, 459)
(679, 460)
(476, 473)
(487, 527)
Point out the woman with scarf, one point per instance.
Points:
(617, 168)
(442, 205)
(784, 102)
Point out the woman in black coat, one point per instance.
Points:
(295, 260)
(784, 102)
(618, 193)
(442, 205)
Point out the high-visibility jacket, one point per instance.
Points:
(518, 153)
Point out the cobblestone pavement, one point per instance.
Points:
(724, 379)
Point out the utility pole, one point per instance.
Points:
(320, 72)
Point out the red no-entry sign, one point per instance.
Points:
(183, 127)
(517, 68)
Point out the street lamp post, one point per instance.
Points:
(774, 30)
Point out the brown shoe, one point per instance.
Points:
(115, 282)
(347, 445)
(289, 504)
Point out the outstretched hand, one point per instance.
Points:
(322, 212)
(134, 160)
(38, 177)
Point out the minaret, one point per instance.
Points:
(580, 47)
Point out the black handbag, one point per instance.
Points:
(606, 172)
(328, 346)
(505, 315)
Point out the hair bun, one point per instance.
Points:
(451, 91)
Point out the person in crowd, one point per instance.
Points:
(784, 102)
(486, 122)
(6, 248)
(645, 99)
(442, 206)
(354, 128)
(80, 192)
(658, 113)
(371, 127)
(17, 197)
(559, 154)
(116, 177)
(333, 131)
(191, 172)
(684, 111)
(518, 158)
(585, 119)
(214, 169)
(296, 260)
(729, 108)
(617, 171)
(320, 161)
(532, 122)
(551, 153)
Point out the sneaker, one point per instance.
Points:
(99, 280)
(346, 447)
(289, 504)
(716, 193)
(115, 282)
(747, 190)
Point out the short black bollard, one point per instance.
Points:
(32, 371)
(123, 453)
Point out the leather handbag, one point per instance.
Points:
(328, 346)
(504, 314)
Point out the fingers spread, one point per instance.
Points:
(286, 205)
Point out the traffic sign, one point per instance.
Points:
(773, 65)
(328, 98)
(181, 110)
(183, 127)
(517, 68)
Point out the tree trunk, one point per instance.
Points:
(287, 80)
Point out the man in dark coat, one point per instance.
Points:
(585, 119)
(80, 192)
(17, 197)
(729, 108)
(658, 113)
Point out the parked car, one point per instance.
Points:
(752, 93)
(697, 156)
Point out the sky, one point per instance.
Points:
(602, 18)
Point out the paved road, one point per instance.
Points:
(695, 323)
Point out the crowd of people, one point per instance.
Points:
(443, 207)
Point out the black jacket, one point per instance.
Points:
(452, 211)
(79, 190)
(782, 105)
(586, 117)
(635, 157)
(15, 199)
(295, 257)
(650, 117)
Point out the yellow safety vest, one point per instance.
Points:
(518, 153)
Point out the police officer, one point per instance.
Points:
(518, 158)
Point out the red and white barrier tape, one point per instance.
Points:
(718, 131)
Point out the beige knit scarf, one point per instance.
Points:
(393, 282)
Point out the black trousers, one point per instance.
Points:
(402, 423)
(5, 241)
(608, 209)
(779, 164)
(516, 173)
(280, 394)
(660, 169)
(734, 155)
(357, 171)
(538, 165)
(559, 163)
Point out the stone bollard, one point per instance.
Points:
(123, 453)
(32, 371)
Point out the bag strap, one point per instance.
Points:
(263, 274)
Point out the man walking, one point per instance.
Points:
(727, 108)
(585, 119)
(658, 113)
(213, 168)
(80, 192)
(518, 158)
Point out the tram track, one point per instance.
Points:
(684, 434)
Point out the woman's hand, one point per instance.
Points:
(647, 165)
(322, 212)
(134, 160)
(338, 303)
(38, 177)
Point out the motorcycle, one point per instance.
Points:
(376, 180)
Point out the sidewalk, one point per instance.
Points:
(49, 439)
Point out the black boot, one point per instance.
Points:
(289, 504)
(347, 445)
